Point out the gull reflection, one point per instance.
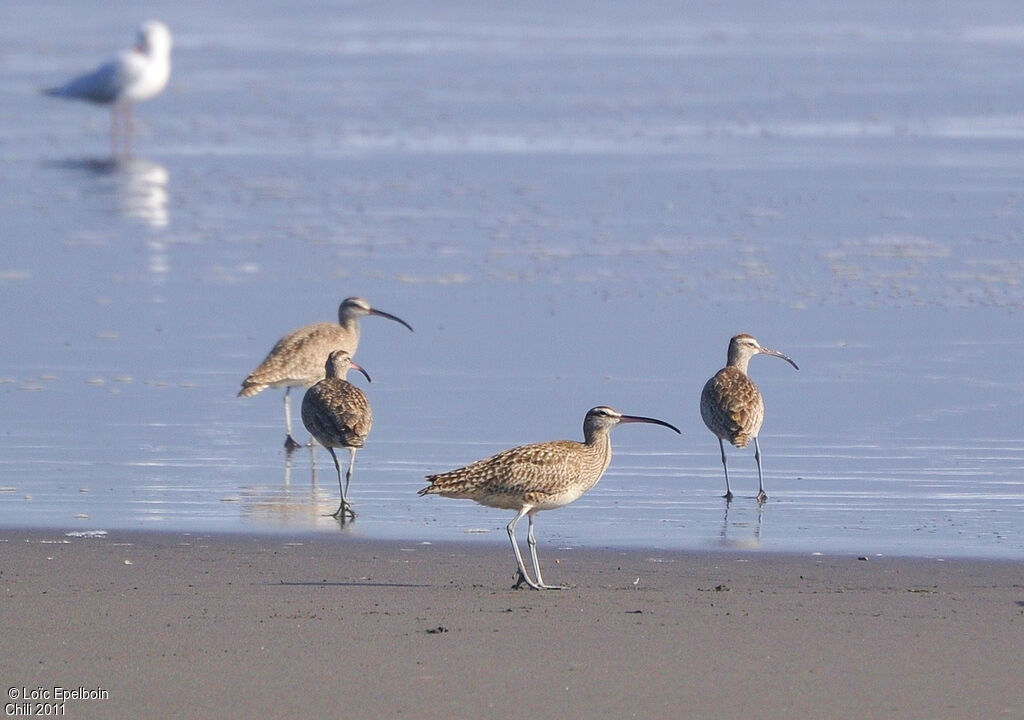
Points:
(139, 186)
(142, 191)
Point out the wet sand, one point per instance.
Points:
(179, 625)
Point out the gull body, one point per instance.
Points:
(135, 75)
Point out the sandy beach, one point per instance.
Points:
(183, 625)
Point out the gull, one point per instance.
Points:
(135, 75)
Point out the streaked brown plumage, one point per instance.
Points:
(297, 359)
(338, 415)
(542, 476)
(731, 404)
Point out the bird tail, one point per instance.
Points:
(250, 389)
(741, 440)
(454, 483)
(430, 489)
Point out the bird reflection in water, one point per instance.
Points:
(139, 188)
(742, 533)
(292, 505)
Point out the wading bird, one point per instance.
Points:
(731, 404)
(338, 415)
(297, 359)
(542, 476)
(135, 75)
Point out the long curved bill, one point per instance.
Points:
(360, 369)
(389, 316)
(641, 419)
(776, 353)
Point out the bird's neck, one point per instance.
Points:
(740, 362)
(600, 445)
(351, 326)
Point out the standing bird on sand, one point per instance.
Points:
(732, 406)
(297, 360)
(542, 476)
(338, 415)
(138, 74)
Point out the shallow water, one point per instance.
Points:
(572, 206)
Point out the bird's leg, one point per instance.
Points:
(113, 131)
(348, 479)
(341, 487)
(344, 509)
(289, 442)
(120, 130)
(532, 542)
(129, 127)
(523, 577)
(761, 494)
(728, 492)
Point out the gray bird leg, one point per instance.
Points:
(289, 441)
(523, 576)
(532, 542)
(728, 492)
(761, 494)
(343, 509)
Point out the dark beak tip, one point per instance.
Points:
(651, 421)
(389, 316)
(785, 357)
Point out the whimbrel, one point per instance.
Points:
(133, 76)
(542, 476)
(297, 360)
(732, 406)
(338, 415)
